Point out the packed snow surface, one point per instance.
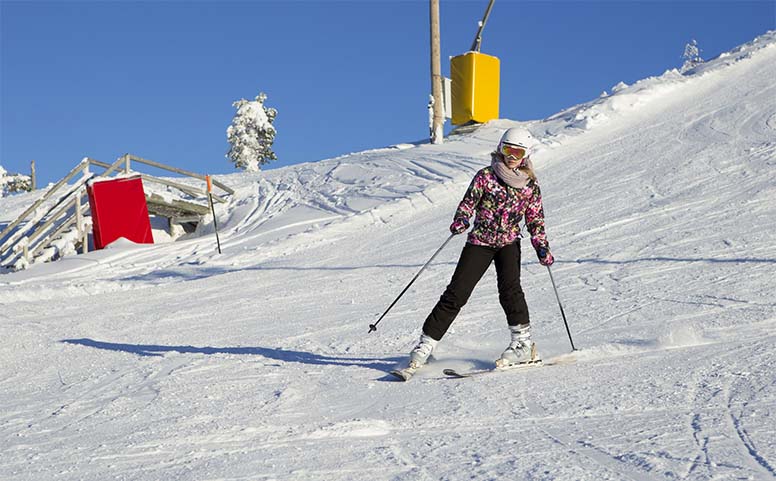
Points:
(173, 362)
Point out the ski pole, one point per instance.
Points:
(213, 208)
(373, 327)
(561, 309)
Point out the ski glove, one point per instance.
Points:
(545, 256)
(459, 226)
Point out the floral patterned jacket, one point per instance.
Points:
(499, 209)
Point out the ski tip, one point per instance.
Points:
(400, 375)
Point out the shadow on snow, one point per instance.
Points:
(190, 274)
(284, 355)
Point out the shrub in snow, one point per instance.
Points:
(13, 182)
(692, 56)
(251, 134)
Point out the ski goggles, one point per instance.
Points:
(513, 151)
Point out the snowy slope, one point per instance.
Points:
(174, 362)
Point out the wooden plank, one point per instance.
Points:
(159, 165)
(179, 171)
(113, 166)
(187, 207)
(222, 186)
(185, 188)
(46, 242)
(98, 163)
(54, 217)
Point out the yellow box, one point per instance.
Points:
(475, 88)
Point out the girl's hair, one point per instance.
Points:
(524, 168)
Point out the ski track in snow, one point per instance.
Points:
(172, 362)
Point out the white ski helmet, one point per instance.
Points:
(519, 138)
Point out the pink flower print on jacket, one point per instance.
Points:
(499, 209)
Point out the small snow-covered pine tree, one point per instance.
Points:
(3, 180)
(251, 134)
(692, 56)
(13, 182)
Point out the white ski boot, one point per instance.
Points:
(521, 351)
(418, 357)
(422, 351)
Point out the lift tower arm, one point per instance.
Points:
(478, 39)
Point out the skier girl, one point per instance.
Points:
(500, 195)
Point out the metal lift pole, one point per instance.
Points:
(478, 39)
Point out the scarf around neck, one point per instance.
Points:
(513, 178)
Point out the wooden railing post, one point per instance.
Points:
(26, 253)
(79, 220)
(33, 180)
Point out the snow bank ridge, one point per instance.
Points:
(626, 98)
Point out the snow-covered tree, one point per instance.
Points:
(13, 182)
(3, 180)
(251, 134)
(692, 56)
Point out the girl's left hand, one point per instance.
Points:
(545, 256)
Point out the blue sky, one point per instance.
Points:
(157, 79)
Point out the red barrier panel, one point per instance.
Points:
(119, 210)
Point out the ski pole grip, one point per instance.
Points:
(209, 184)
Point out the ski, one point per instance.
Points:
(404, 374)
(479, 372)
(452, 373)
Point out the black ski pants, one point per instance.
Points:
(473, 263)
